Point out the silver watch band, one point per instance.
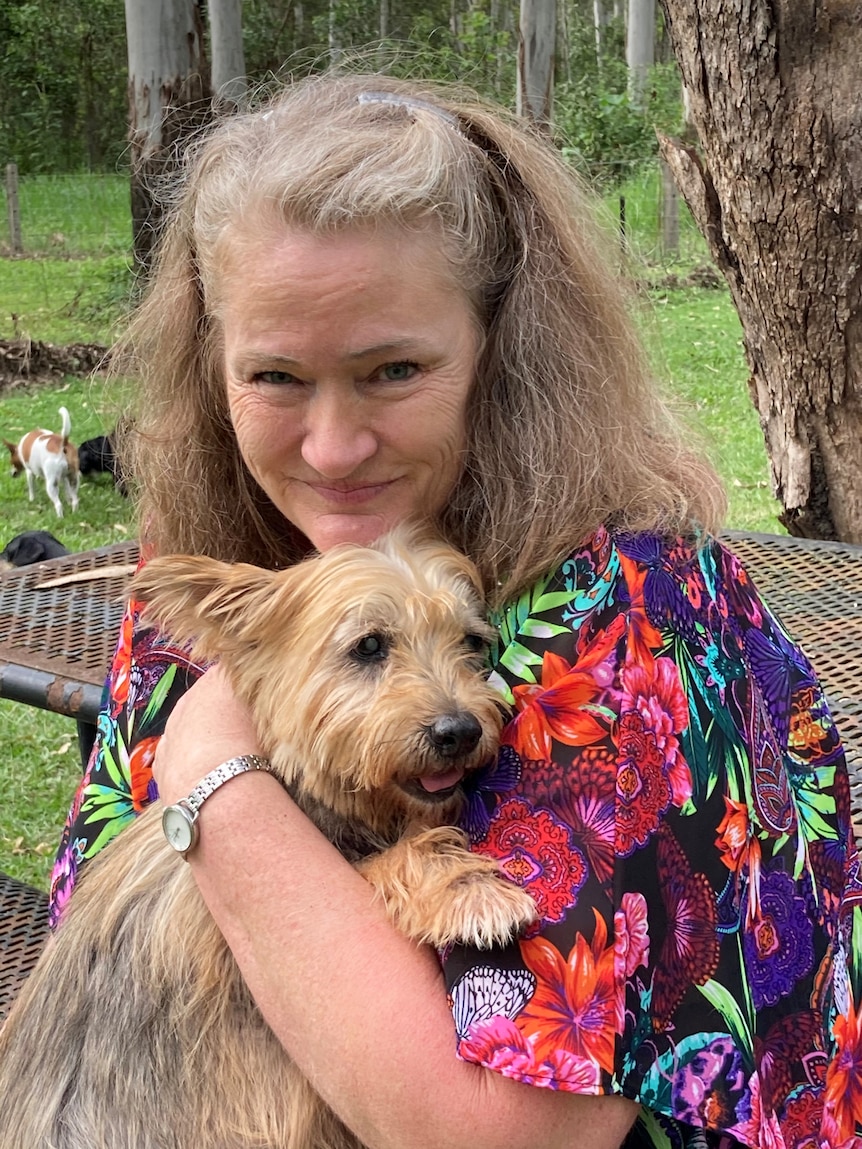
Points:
(230, 769)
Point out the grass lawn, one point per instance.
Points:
(73, 286)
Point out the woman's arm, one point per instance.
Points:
(361, 1010)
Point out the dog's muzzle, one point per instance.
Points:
(452, 739)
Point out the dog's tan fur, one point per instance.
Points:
(135, 1030)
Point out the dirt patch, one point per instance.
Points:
(30, 361)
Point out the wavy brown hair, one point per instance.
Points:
(566, 427)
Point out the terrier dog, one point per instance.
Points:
(363, 669)
(44, 454)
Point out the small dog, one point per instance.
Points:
(363, 669)
(31, 547)
(43, 454)
(98, 456)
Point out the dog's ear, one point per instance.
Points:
(13, 447)
(215, 606)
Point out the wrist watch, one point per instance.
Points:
(180, 821)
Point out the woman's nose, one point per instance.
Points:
(337, 439)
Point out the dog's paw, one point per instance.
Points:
(484, 909)
(438, 893)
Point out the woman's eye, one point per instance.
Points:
(371, 648)
(274, 377)
(399, 372)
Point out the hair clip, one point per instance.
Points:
(409, 103)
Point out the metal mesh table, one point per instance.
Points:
(23, 928)
(59, 622)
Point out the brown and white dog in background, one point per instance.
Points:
(44, 454)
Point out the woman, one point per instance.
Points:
(376, 300)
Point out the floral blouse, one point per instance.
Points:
(672, 791)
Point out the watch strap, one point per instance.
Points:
(223, 773)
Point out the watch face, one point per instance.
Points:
(178, 828)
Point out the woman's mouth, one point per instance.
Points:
(349, 494)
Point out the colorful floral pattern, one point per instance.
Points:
(672, 791)
(707, 961)
(147, 675)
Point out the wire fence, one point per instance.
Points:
(88, 215)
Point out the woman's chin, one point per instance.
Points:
(333, 530)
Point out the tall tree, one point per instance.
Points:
(775, 187)
(640, 47)
(169, 95)
(226, 50)
(536, 47)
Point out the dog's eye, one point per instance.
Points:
(371, 648)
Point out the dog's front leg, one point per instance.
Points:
(52, 485)
(437, 892)
(71, 487)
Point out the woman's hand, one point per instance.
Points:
(207, 726)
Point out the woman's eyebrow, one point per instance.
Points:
(254, 357)
(410, 342)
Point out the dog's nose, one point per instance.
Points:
(454, 734)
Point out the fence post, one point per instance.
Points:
(12, 209)
(669, 208)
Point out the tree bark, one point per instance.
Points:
(228, 58)
(600, 23)
(775, 187)
(640, 47)
(537, 39)
(169, 95)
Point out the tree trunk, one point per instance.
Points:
(775, 98)
(228, 58)
(169, 95)
(383, 20)
(600, 23)
(640, 47)
(536, 48)
(334, 35)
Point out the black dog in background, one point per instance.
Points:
(31, 547)
(98, 455)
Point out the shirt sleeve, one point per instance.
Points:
(147, 676)
(672, 791)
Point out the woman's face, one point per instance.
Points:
(348, 359)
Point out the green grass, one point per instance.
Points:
(63, 300)
(73, 281)
(41, 767)
(696, 342)
(73, 215)
(78, 291)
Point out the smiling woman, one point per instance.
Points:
(375, 301)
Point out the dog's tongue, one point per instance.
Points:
(434, 782)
